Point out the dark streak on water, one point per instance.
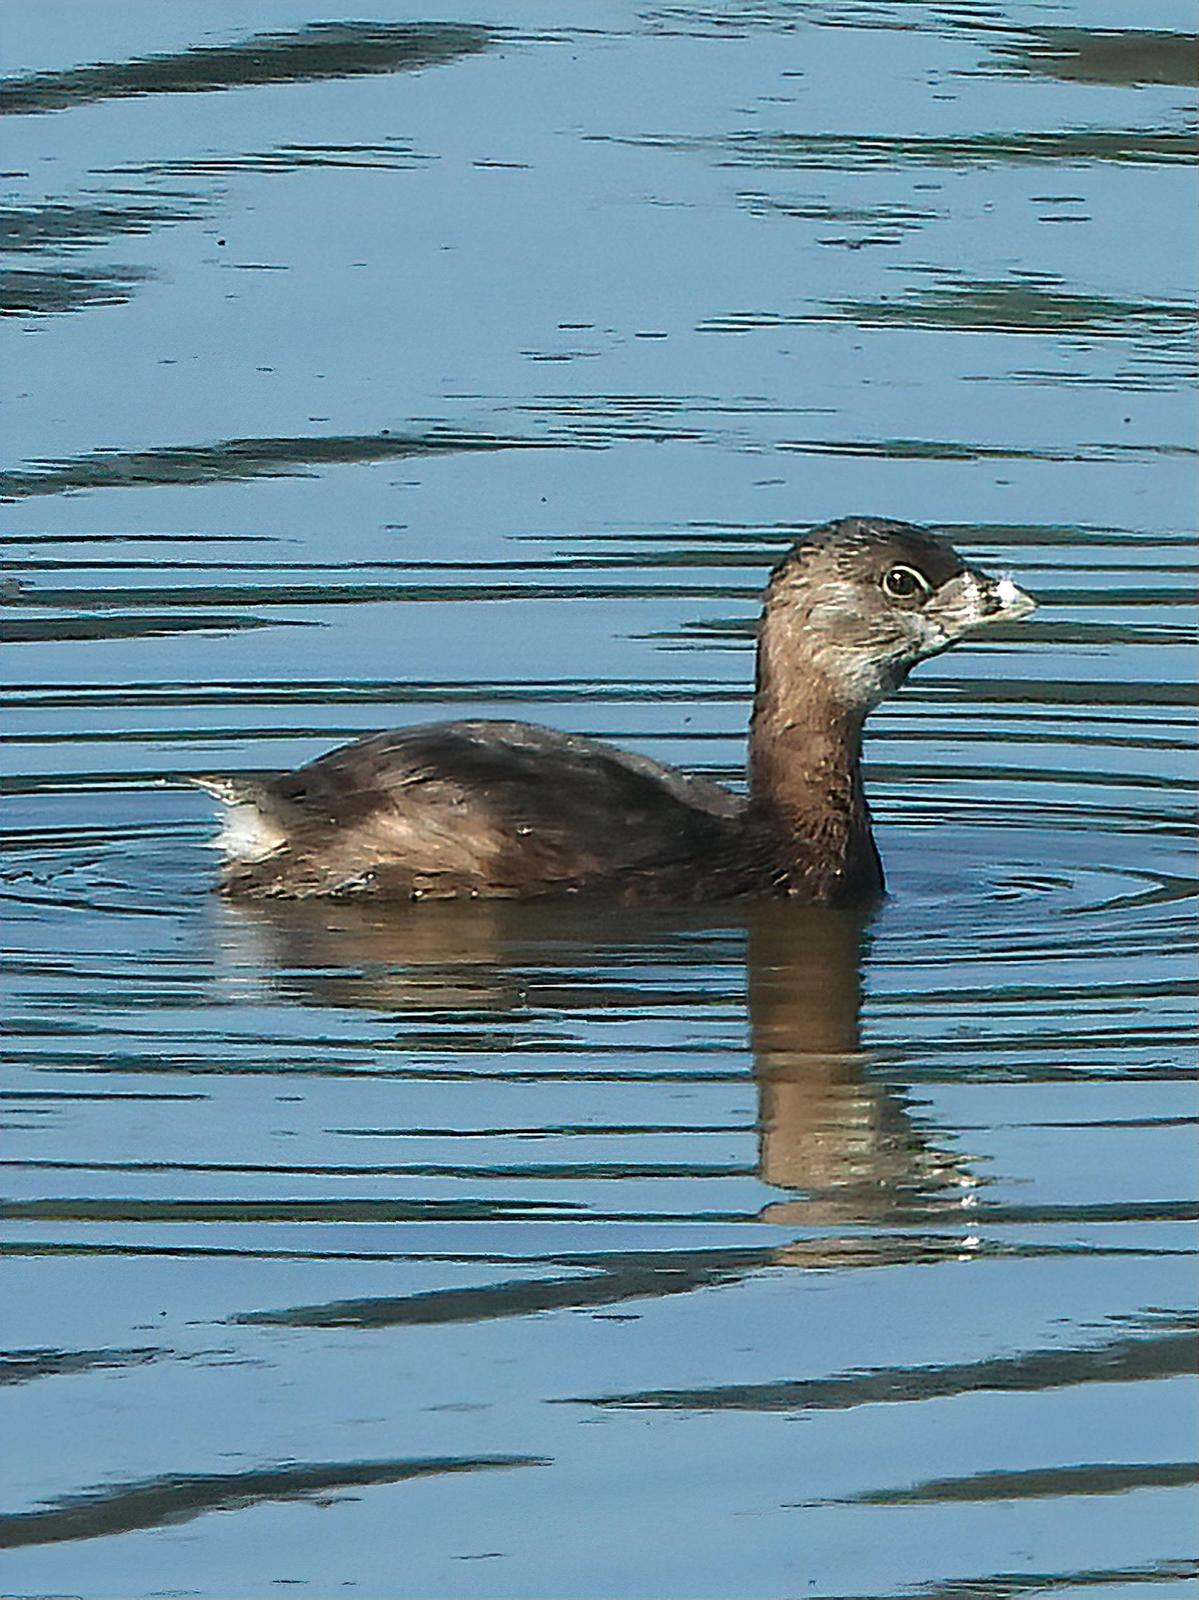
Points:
(25, 292)
(232, 459)
(1061, 148)
(319, 51)
(1147, 1355)
(1010, 1585)
(163, 1502)
(53, 226)
(1118, 56)
(428, 369)
(1107, 1477)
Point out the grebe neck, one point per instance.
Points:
(807, 803)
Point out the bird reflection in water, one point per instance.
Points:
(838, 1140)
(831, 1131)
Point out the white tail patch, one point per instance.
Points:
(248, 835)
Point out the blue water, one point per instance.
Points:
(369, 372)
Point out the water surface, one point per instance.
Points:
(364, 372)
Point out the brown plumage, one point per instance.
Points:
(505, 809)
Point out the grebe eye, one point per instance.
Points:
(905, 583)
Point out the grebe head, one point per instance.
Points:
(856, 603)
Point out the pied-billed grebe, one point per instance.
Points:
(506, 809)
